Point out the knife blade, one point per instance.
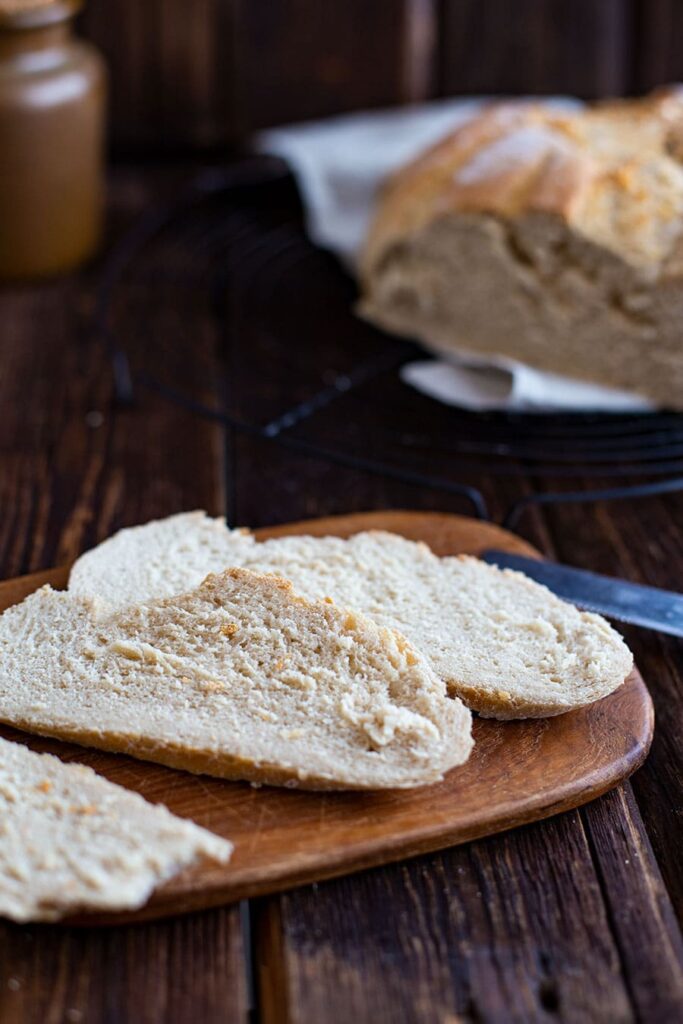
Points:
(649, 607)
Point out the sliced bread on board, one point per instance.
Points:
(239, 678)
(503, 643)
(70, 841)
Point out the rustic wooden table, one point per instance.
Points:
(572, 919)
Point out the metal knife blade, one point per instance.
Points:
(650, 607)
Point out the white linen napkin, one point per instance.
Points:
(339, 165)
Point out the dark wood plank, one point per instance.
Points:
(202, 74)
(51, 447)
(659, 53)
(659, 786)
(72, 467)
(420, 50)
(580, 48)
(638, 905)
(641, 541)
(171, 70)
(189, 969)
(512, 928)
(300, 59)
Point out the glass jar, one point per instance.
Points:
(52, 108)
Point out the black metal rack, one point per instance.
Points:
(233, 246)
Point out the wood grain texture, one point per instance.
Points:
(580, 48)
(659, 51)
(172, 70)
(518, 772)
(201, 75)
(73, 466)
(190, 969)
(642, 541)
(495, 931)
(638, 904)
(386, 929)
(299, 59)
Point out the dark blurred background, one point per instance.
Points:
(203, 74)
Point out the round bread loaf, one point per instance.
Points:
(552, 238)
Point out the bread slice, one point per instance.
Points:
(70, 841)
(240, 679)
(506, 645)
(159, 559)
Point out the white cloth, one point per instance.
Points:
(339, 165)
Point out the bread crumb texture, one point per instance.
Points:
(506, 645)
(503, 643)
(71, 842)
(239, 678)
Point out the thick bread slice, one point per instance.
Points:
(70, 841)
(506, 645)
(159, 559)
(239, 678)
(503, 643)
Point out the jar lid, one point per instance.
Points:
(36, 13)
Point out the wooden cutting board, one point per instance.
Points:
(518, 772)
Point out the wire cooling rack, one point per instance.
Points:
(233, 249)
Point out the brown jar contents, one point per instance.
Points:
(52, 98)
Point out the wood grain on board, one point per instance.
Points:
(518, 772)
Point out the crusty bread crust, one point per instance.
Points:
(196, 761)
(591, 168)
(549, 238)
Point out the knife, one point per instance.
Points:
(649, 607)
